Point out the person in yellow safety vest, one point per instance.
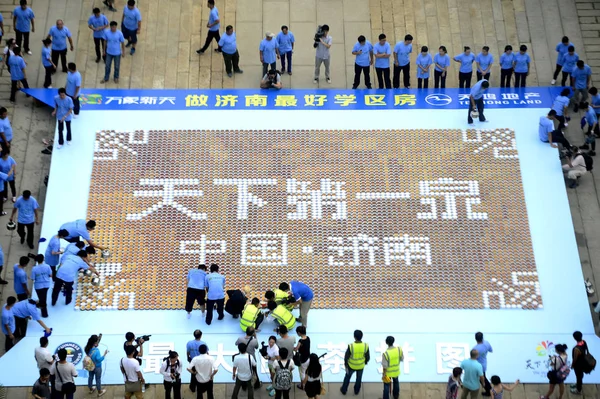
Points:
(251, 316)
(281, 315)
(281, 298)
(356, 358)
(390, 361)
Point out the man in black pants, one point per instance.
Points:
(363, 50)
(213, 27)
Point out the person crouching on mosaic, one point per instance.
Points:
(63, 110)
(215, 284)
(81, 229)
(66, 274)
(236, 301)
(271, 80)
(575, 167)
(196, 290)
(252, 316)
(281, 315)
(476, 100)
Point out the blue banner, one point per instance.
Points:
(252, 99)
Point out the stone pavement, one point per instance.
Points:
(173, 29)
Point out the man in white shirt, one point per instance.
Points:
(205, 371)
(130, 368)
(575, 167)
(243, 365)
(43, 356)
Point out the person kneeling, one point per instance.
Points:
(272, 80)
(576, 166)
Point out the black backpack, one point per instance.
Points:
(589, 162)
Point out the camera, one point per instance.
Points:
(318, 36)
(263, 349)
(144, 337)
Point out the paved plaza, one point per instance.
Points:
(172, 31)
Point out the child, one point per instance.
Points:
(454, 383)
(498, 388)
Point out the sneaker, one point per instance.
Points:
(132, 52)
(328, 80)
(189, 316)
(553, 81)
(315, 81)
(102, 392)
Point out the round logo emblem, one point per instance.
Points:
(74, 352)
(438, 100)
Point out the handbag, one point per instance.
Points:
(67, 387)
(130, 386)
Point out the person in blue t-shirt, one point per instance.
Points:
(59, 35)
(382, 52)
(476, 100)
(402, 52)
(27, 207)
(442, 63)
(47, 63)
(131, 24)
(561, 49)
(484, 62)
(23, 23)
(286, 40)
(591, 119)
(215, 285)
(521, 66)
(17, 73)
(581, 78)
(8, 323)
(231, 55)
(465, 72)
(303, 296)
(63, 109)
(363, 50)
(196, 289)
(7, 163)
(214, 22)
(41, 274)
(98, 22)
(506, 66)
(424, 62)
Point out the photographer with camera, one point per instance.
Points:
(271, 80)
(171, 371)
(137, 344)
(322, 43)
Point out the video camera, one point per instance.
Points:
(318, 36)
(263, 349)
(144, 337)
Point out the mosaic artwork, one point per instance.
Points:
(367, 218)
